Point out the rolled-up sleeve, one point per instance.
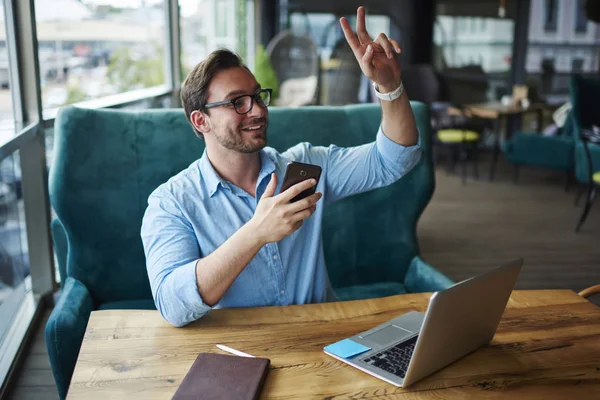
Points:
(354, 170)
(172, 252)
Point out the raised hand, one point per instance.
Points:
(376, 57)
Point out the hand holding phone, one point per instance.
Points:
(276, 216)
(297, 172)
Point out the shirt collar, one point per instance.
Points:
(213, 179)
(267, 166)
(209, 175)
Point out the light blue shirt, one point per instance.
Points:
(193, 213)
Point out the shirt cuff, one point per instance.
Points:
(396, 152)
(186, 292)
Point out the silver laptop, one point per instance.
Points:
(458, 321)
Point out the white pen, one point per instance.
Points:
(234, 351)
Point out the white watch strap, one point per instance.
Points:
(393, 95)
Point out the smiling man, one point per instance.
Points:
(217, 234)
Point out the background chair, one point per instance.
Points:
(343, 78)
(590, 291)
(458, 136)
(585, 94)
(590, 137)
(537, 150)
(107, 162)
(296, 63)
(422, 83)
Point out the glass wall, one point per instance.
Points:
(340, 79)
(562, 42)
(86, 50)
(6, 110)
(95, 48)
(207, 25)
(14, 262)
(474, 55)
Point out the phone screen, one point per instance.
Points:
(297, 172)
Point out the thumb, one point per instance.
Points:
(270, 190)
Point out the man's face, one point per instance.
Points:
(245, 133)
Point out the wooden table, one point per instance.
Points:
(495, 111)
(547, 347)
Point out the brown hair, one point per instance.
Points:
(194, 91)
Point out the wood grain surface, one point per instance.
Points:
(547, 347)
(494, 109)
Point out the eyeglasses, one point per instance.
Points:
(243, 104)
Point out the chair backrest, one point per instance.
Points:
(107, 162)
(585, 94)
(421, 83)
(343, 82)
(464, 85)
(295, 58)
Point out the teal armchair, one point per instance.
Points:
(107, 163)
(533, 149)
(585, 96)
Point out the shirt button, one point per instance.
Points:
(282, 292)
(275, 258)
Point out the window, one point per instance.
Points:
(221, 14)
(550, 15)
(14, 263)
(553, 58)
(207, 25)
(577, 65)
(580, 17)
(94, 48)
(462, 26)
(490, 52)
(6, 110)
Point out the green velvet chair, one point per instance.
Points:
(585, 96)
(107, 162)
(534, 149)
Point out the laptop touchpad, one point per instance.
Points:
(386, 335)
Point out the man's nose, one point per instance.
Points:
(257, 111)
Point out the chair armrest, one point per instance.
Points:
(65, 329)
(422, 277)
(588, 292)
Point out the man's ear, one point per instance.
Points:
(200, 121)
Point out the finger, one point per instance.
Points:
(270, 190)
(367, 62)
(383, 41)
(304, 203)
(302, 215)
(297, 189)
(350, 36)
(396, 45)
(361, 29)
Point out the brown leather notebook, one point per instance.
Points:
(218, 376)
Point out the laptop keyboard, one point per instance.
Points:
(394, 359)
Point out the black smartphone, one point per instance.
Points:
(297, 172)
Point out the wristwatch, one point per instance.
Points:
(393, 95)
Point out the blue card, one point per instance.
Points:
(346, 348)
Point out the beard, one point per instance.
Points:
(234, 139)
